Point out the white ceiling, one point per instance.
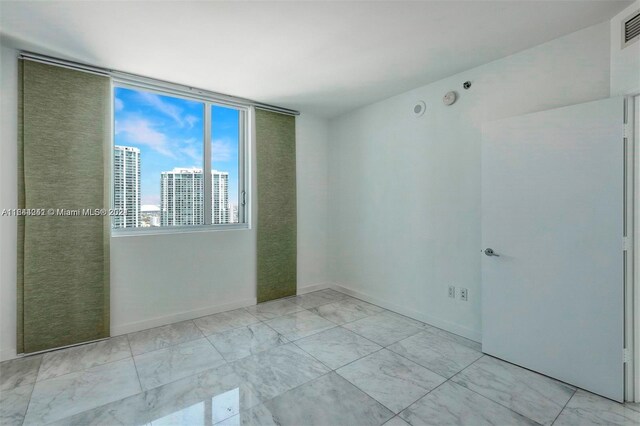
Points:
(316, 56)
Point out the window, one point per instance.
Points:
(162, 143)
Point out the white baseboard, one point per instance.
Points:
(308, 288)
(117, 330)
(436, 322)
(7, 354)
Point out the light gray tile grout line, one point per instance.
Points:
(214, 346)
(296, 387)
(371, 396)
(203, 335)
(137, 394)
(575, 389)
(26, 410)
(412, 319)
(234, 328)
(330, 369)
(565, 406)
(385, 347)
(419, 399)
(365, 338)
(469, 365)
(40, 366)
(173, 381)
(145, 391)
(198, 328)
(435, 372)
(313, 334)
(279, 334)
(106, 363)
(79, 371)
(350, 322)
(289, 390)
(350, 362)
(486, 397)
(446, 381)
(398, 416)
(160, 326)
(317, 378)
(135, 366)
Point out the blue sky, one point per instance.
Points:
(169, 133)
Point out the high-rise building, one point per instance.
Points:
(182, 197)
(220, 197)
(126, 186)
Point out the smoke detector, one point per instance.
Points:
(449, 98)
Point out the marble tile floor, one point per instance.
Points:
(322, 358)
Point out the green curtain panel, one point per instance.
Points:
(63, 261)
(276, 230)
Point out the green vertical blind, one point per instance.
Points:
(63, 261)
(276, 227)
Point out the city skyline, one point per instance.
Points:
(182, 195)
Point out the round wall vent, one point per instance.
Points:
(419, 108)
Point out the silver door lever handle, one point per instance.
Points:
(490, 252)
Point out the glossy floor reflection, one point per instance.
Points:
(323, 358)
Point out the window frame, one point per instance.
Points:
(244, 142)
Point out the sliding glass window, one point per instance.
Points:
(178, 162)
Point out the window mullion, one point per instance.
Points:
(242, 190)
(206, 169)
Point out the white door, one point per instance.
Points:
(552, 210)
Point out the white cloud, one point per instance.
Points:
(139, 131)
(191, 120)
(193, 153)
(164, 107)
(221, 150)
(118, 104)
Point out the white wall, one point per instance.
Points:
(625, 63)
(312, 181)
(405, 191)
(8, 199)
(159, 279)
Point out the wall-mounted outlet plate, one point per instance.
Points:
(464, 294)
(452, 292)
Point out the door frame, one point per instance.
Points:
(632, 247)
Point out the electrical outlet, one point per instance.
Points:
(464, 294)
(452, 292)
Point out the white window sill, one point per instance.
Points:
(139, 232)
